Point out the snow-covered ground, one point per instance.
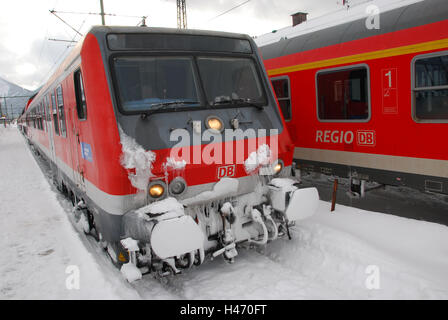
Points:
(37, 240)
(347, 254)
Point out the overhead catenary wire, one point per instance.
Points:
(61, 40)
(102, 13)
(54, 13)
(63, 53)
(98, 14)
(231, 9)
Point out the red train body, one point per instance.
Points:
(369, 104)
(85, 124)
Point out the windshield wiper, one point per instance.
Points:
(249, 102)
(163, 105)
(245, 101)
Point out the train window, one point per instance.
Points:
(430, 87)
(55, 114)
(81, 107)
(146, 83)
(36, 118)
(47, 113)
(36, 112)
(174, 42)
(48, 99)
(42, 115)
(227, 79)
(343, 94)
(283, 93)
(60, 104)
(39, 116)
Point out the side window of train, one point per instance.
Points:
(55, 114)
(430, 87)
(81, 106)
(37, 117)
(39, 125)
(60, 104)
(282, 90)
(42, 117)
(47, 113)
(42, 110)
(39, 110)
(343, 94)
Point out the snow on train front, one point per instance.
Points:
(205, 146)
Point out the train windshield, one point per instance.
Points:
(146, 83)
(228, 80)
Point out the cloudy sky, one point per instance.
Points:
(28, 57)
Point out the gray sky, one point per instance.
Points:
(28, 58)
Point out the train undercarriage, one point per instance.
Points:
(176, 235)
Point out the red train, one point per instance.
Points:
(106, 119)
(368, 104)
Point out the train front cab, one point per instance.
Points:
(128, 89)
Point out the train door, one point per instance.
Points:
(80, 150)
(76, 150)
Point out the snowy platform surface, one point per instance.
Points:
(39, 244)
(347, 254)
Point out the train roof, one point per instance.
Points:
(103, 30)
(329, 30)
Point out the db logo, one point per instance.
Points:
(226, 171)
(366, 138)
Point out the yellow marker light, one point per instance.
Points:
(214, 123)
(278, 167)
(156, 190)
(121, 257)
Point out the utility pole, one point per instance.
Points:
(181, 14)
(102, 13)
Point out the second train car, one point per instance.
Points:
(368, 103)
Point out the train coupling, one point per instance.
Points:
(228, 250)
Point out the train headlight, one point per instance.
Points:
(177, 186)
(156, 189)
(278, 167)
(214, 123)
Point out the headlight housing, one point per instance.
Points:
(278, 167)
(177, 187)
(214, 123)
(156, 189)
